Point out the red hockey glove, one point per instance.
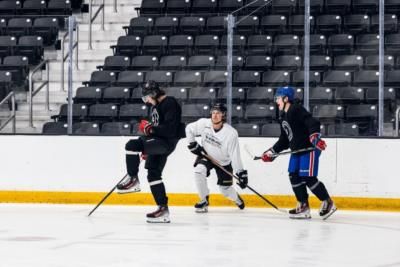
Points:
(143, 156)
(268, 156)
(317, 142)
(145, 127)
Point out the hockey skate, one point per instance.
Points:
(128, 185)
(327, 209)
(302, 211)
(161, 215)
(240, 204)
(202, 206)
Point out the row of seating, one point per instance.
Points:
(36, 7)
(121, 95)
(244, 129)
(270, 24)
(207, 7)
(28, 46)
(47, 28)
(243, 78)
(335, 44)
(253, 62)
(192, 111)
(18, 66)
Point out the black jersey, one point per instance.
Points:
(166, 119)
(297, 125)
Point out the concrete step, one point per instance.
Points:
(84, 65)
(56, 86)
(106, 35)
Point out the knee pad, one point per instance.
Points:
(134, 145)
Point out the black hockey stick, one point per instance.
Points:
(254, 157)
(106, 196)
(237, 178)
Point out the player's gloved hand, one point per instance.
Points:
(196, 149)
(268, 156)
(243, 179)
(145, 127)
(143, 156)
(317, 142)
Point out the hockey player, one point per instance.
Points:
(161, 135)
(300, 130)
(220, 141)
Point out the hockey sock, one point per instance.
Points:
(229, 192)
(299, 187)
(158, 190)
(201, 184)
(317, 187)
(132, 163)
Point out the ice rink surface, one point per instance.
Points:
(63, 236)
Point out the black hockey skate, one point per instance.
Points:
(202, 206)
(161, 215)
(128, 185)
(240, 204)
(302, 211)
(327, 209)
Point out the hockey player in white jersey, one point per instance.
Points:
(220, 141)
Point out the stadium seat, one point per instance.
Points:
(88, 95)
(321, 95)
(30, 47)
(343, 129)
(316, 6)
(247, 25)
(298, 78)
(192, 25)
(367, 44)
(237, 63)
(238, 94)
(116, 128)
(18, 66)
(128, 45)
(337, 78)
(108, 111)
(365, 6)
(59, 7)
(263, 95)
(271, 130)
(144, 63)
(255, 112)
(356, 23)
(247, 129)
(338, 6)
(155, 45)
(133, 112)
(180, 45)
(215, 78)
(152, 7)
(79, 112)
(201, 62)
(329, 24)
(246, 78)
(273, 24)
(204, 6)
(285, 7)
(392, 43)
(116, 63)
(140, 26)
(180, 93)
(366, 78)
(33, 7)
(10, 7)
(320, 62)
(390, 20)
(287, 62)
(287, 44)
(202, 94)
(349, 95)
(178, 7)
(372, 62)
(348, 62)
(258, 62)
(318, 44)
(116, 94)
(228, 6)
(206, 44)
(238, 44)
(341, 44)
(129, 78)
(296, 24)
(276, 78)
(187, 78)
(357, 112)
(19, 26)
(47, 28)
(216, 25)
(101, 78)
(192, 112)
(86, 128)
(164, 78)
(172, 63)
(259, 45)
(372, 94)
(330, 112)
(166, 26)
(55, 128)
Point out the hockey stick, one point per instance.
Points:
(106, 196)
(254, 157)
(237, 178)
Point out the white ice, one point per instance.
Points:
(63, 236)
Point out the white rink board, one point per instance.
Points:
(349, 167)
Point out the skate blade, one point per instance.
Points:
(158, 220)
(303, 217)
(329, 214)
(132, 190)
(204, 210)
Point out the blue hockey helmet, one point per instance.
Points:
(285, 91)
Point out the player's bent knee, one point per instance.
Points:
(134, 145)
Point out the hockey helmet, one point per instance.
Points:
(285, 91)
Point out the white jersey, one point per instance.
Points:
(222, 145)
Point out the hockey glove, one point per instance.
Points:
(268, 156)
(243, 179)
(196, 149)
(143, 156)
(317, 142)
(145, 127)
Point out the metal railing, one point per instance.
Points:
(92, 19)
(32, 92)
(115, 6)
(12, 116)
(65, 57)
(397, 122)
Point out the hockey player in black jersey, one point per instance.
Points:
(300, 130)
(161, 135)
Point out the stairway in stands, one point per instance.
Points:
(88, 60)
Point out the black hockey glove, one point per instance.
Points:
(196, 149)
(243, 179)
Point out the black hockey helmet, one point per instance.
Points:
(151, 89)
(221, 108)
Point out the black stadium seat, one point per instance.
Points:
(128, 45)
(129, 78)
(172, 63)
(247, 129)
(116, 94)
(88, 95)
(55, 128)
(192, 25)
(144, 63)
(116, 128)
(86, 128)
(140, 26)
(166, 26)
(133, 112)
(103, 111)
(187, 78)
(116, 63)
